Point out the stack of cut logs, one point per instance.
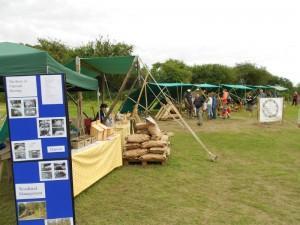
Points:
(148, 144)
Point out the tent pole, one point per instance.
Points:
(102, 88)
(79, 102)
(120, 90)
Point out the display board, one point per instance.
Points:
(270, 110)
(41, 153)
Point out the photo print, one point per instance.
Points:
(52, 127)
(59, 221)
(32, 210)
(53, 170)
(23, 107)
(27, 150)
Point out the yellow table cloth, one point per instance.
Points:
(93, 162)
(123, 130)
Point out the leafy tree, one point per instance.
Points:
(251, 74)
(213, 73)
(172, 70)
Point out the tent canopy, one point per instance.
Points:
(206, 86)
(236, 86)
(18, 59)
(94, 66)
(278, 88)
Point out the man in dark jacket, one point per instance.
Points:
(198, 103)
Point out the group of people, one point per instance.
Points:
(209, 104)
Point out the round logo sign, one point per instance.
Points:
(270, 108)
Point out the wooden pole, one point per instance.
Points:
(79, 102)
(111, 108)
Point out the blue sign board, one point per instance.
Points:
(40, 149)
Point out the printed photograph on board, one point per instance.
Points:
(58, 127)
(32, 210)
(15, 108)
(44, 128)
(19, 151)
(27, 150)
(30, 107)
(59, 221)
(53, 170)
(23, 107)
(52, 127)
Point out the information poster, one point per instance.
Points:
(41, 153)
(270, 110)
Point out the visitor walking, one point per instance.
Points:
(188, 101)
(214, 105)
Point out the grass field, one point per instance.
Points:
(255, 181)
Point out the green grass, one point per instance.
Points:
(255, 181)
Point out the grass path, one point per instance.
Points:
(256, 181)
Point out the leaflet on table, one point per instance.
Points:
(21, 86)
(51, 88)
(27, 150)
(51, 127)
(53, 170)
(23, 107)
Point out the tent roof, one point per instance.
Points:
(259, 86)
(278, 88)
(18, 59)
(172, 85)
(93, 66)
(236, 86)
(205, 85)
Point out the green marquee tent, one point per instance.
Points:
(206, 86)
(18, 59)
(94, 66)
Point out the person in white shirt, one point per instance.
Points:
(209, 106)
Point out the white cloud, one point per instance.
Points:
(215, 31)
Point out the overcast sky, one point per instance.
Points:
(200, 31)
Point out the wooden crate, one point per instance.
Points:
(93, 139)
(97, 131)
(77, 143)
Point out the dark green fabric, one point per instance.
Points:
(115, 65)
(17, 59)
(4, 131)
(206, 86)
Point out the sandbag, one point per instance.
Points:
(150, 144)
(158, 150)
(138, 138)
(156, 137)
(134, 154)
(154, 129)
(130, 146)
(168, 151)
(141, 126)
(164, 138)
(143, 132)
(153, 157)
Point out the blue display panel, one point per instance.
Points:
(41, 153)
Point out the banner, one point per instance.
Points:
(270, 110)
(40, 149)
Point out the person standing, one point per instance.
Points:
(262, 94)
(249, 103)
(198, 103)
(214, 106)
(209, 106)
(188, 101)
(295, 98)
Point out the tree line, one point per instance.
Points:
(171, 70)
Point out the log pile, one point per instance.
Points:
(148, 144)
